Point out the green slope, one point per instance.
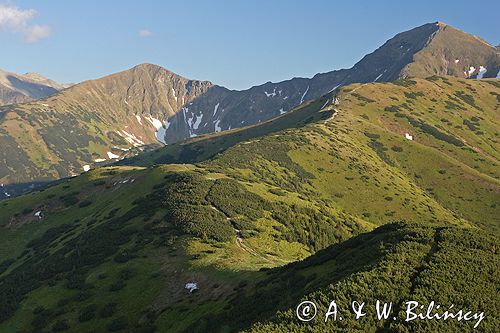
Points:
(360, 160)
(115, 246)
(395, 263)
(104, 238)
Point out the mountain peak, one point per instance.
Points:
(149, 66)
(153, 70)
(20, 88)
(451, 51)
(35, 76)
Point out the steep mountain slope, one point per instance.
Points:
(90, 123)
(395, 263)
(115, 248)
(431, 49)
(454, 52)
(436, 138)
(16, 88)
(122, 114)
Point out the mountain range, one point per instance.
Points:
(157, 203)
(107, 119)
(376, 190)
(20, 88)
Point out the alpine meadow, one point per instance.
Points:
(144, 201)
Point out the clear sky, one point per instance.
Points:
(232, 43)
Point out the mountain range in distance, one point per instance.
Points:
(373, 191)
(104, 120)
(21, 88)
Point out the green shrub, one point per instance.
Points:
(372, 135)
(277, 191)
(69, 199)
(117, 324)
(392, 108)
(118, 285)
(404, 82)
(233, 199)
(414, 95)
(85, 203)
(363, 98)
(60, 325)
(201, 221)
(87, 313)
(108, 310)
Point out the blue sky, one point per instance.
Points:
(233, 43)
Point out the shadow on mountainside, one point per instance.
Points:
(207, 146)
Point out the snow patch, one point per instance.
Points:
(304, 95)
(215, 109)
(175, 95)
(282, 112)
(160, 128)
(271, 94)
(138, 118)
(131, 138)
(39, 214)
(86, 167)
(122, 149)
(457, 61)
(191, 286)
(112, 156)
(99, 160)
(326, 103)
(482, 71)
(217, 128)
(7, 194)
(498, 75)
(46, 105)
(338, 85)
(378, 77)
(197, 121)
(155, 122)
(409, 136)
(472, 69)
(160, 133)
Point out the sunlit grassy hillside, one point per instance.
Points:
(302, 206)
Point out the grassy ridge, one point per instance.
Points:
(115, 247)
(395, 263)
